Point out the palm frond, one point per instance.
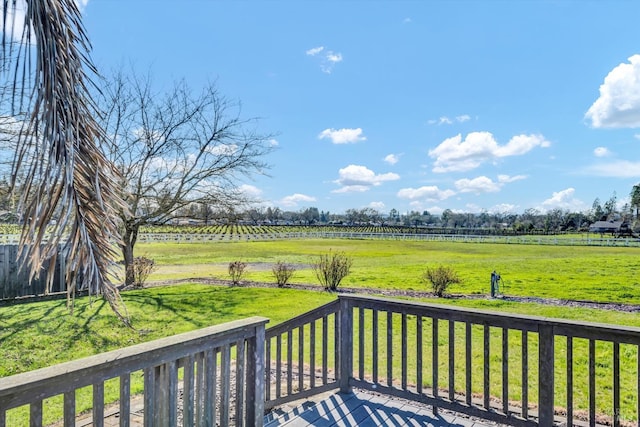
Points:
(69, 198)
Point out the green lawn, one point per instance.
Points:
(604, 274)
(34, 335)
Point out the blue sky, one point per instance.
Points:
(421, 105)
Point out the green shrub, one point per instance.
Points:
(237, 269)
(283, 272)
(440, 279)
(331, 268)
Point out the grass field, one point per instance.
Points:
(39, 334)
(604, 274)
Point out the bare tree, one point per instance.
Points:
(175, 149)
(69, 186)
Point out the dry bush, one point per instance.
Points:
(142, 268)
(331, 268)
(283, 272)
(237, 270)
(440, 279)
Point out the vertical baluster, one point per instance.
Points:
(361, 343)
(210, 388)
(325, 349)
(149, 396)
(389, 349)
(240, 381)
(487, 371)
(98, 404)
(546, 361)
(592, 383)
(505, 371)
(70, 408)
(225, 385)
(35, 414)
(419, 353)
(525, 374)
(616, 384)
(569, 380)
(188, 385)
(290, 362)
(374, 344)
(467, 359)
(278, 366)
(312, 354)
(434, 359)
(404, 350)
(452, 359)
(301, 358)
(172, 393)
(267, 370)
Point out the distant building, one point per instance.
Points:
(617, 228)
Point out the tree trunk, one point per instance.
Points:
(129, 238)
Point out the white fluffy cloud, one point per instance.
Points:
(377, 205)
(563, 199)
(457, 155)
(430, 193)
(392, 159)
(250, 191)
(294, 199)
(343, 136)
(481, 184)
(356, 178)
(619, 103)
(328, 58)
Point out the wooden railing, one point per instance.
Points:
(511, 369)
(220, 371)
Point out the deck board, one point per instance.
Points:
(365, 409)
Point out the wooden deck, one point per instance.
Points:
(365, 409)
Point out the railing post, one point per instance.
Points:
(256, 378)
(545, 375)
(345, 342)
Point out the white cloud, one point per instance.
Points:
(481, 184)
(274, 142)
(356, 178)
(504, 179)
(637, 136)
(327, 58)
(563, 199)
(343, 136)
(444, 120)
(250, 191)
(619, 103)
(430, 193)
(617, 169)
(294, 199)
(314, 51)
(457, 155)
(377, 205)
(392, 159)
(601, 152)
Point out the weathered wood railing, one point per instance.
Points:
(512, 369)
(507, 368)
(220, 370)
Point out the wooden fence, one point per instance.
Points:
(221, 370)
(14, 281)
